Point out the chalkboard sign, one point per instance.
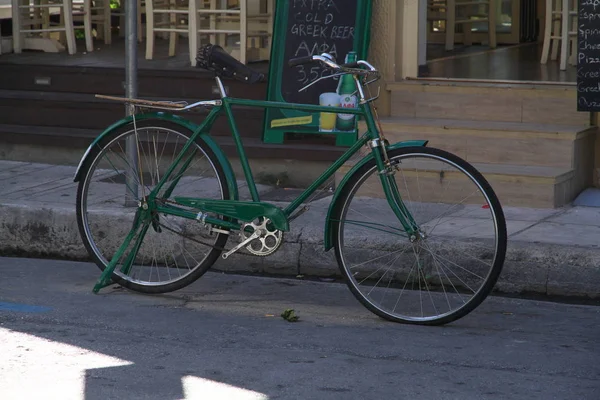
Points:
(588, 56)
(315, 27)
(304, 28)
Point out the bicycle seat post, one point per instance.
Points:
(221, 87)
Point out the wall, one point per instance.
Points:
(387, 44)
(383, 37)
(381, 48)
(394, 43)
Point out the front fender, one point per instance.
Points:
(221, 157)
(328, 238)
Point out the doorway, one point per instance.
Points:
(507, 18)
(515, 56)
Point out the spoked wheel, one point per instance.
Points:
(173, 251)
(438, 273)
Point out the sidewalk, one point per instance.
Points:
(550, 251)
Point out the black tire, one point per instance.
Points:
(422, 248)
(88, 168)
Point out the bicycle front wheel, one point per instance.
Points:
(439, 273)
(122, 170)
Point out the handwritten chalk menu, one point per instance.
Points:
(588, 56)
(311, 27)
(316, 27)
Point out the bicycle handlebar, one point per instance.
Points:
(328, 60)
(299, 61)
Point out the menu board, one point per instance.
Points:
(315, 27)
(306, 28)
(588, 56)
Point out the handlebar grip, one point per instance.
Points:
(300, 60)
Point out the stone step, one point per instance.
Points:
(497, 142)
(515, 185)
(532, 186)
(290, 164)
(85, 111)
(510, 102)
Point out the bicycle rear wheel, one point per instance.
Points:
(442, 272)
(174, 251)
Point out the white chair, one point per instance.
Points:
(559, 27)
(259, 30)
(224, 21)
(175, 20)
(573, 18)
(89, 12)
(464, 11)
(251, 20)
(31, 25)
(210, 20)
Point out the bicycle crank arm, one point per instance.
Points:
(255, 235)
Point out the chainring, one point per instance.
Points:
(267, 243)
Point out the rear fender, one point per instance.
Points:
(221, 157)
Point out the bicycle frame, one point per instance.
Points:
(248, 211)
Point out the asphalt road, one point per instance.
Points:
(223, 338)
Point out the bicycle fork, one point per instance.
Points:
(387, 172)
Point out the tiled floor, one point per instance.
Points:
(113, 56)
(517, 63)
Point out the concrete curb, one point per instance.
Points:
(538, 268)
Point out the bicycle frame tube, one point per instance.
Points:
(240, 150)
(325, 175)
(292, 106)
(228, 102)
(210, 119)
(364, 110)
(179, 174)
(227, 105)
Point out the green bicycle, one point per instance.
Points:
(419, 234)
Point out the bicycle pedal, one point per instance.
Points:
(217, 230)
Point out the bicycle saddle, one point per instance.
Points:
(214, 58)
